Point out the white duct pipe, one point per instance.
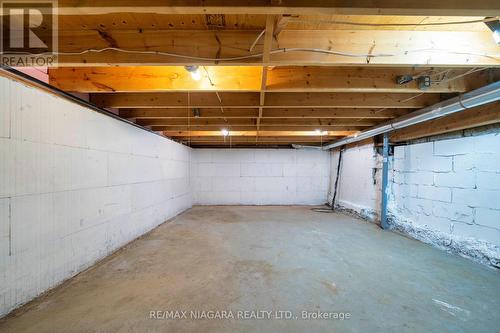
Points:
(481, 96)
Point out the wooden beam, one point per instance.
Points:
(251, 140)
(334, 113)
(401, 48)
(266, 56)
(318, 122)
(300, 7)
(185, 113)
(155, 78)
(252, 78)
(280, 24)
(405, 47)
(253, 128)
(254, 133)
(346, 100)
(176, 100)
(484, 115)
(264, 122)
(369, 79)
(273, 100)
(195, 122)
(267, 113)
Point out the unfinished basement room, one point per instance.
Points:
(249, 166)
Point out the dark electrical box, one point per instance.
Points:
(403, 79)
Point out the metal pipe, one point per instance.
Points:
(296, 146)
(385, 177)
(337, 177)
(483, 95)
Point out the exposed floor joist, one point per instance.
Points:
(240, 127)
(250, 122)
(254, 133)
(273, 100)
(264, 67)
(386, 48)
(264, 7)
(250, 78)
(267, 113)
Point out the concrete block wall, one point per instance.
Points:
(451, 186)
(359, 183)
(74, 186)
(443, 192)
(260, 176)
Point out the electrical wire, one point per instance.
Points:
(298, 20)
(335, 187)
(260, 54)
(216, 92)
(220, 104)
(473, 70)
(256, 40)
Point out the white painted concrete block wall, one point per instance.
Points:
(441, 191)
(359, 182)
(452, 186)
(260, 176)
(74, 186)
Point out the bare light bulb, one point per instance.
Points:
(496, 36)
(194, 71)
(196, 75)
(224, 132)
(320, 132)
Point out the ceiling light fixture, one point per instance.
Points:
(320, 132)
(224, 132)
(194, 71)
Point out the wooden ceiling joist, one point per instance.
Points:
(385, 47)
(265, 7)
(136, 21)
(275, 72)
(249, 122)
(155, 78)
(251, 78)
(334, 113)
(252, 140)
(347, 100)
(187, 113)
(271, 21)
(273, 100)
(369, 79)
(263, 133)
(267, 113)
(218, 128)
(176, 100)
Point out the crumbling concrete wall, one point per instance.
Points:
(447, 193)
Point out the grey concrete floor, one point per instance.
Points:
(241, 258)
